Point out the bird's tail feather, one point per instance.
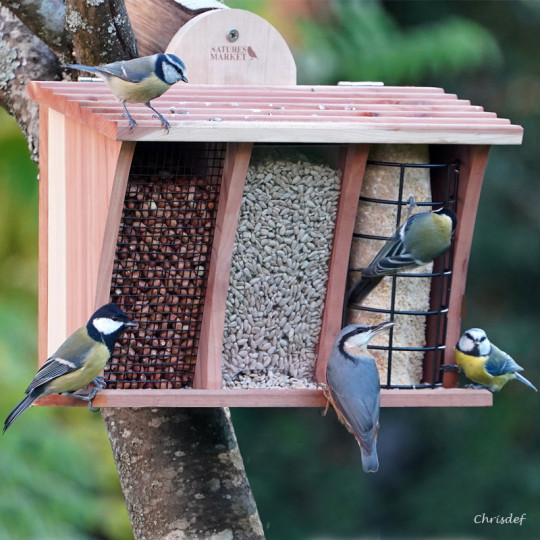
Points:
(370, 462)
(361, 289)
(522, 379)
(358, 293)
(82, 67)
(20, 408)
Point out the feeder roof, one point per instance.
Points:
(286, 114)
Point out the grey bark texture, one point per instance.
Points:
(182, 474)
(23, 58)
(101, 31)
(46, 19)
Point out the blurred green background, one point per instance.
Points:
(439, 467)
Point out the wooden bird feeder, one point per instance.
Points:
(229, 237)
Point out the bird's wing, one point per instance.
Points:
(68, 358)
(132, 70)
(500, 363)
(356, 393)
(392, 257)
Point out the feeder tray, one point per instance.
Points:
(149, 220)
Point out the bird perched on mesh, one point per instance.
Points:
(140, 80)
(484, 363)
(78, 361)
(353, 387)
(419, 240)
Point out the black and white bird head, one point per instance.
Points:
(107, 323)
(354, 338)
(474, 342)
(170, 69)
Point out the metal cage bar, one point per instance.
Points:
(441, 276)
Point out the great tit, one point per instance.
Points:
(78, 361)
(419, 240)
(485, 364)
(140, 80)
(353, 381)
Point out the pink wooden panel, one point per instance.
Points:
(208, 370)
(353, 167)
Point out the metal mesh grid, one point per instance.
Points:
(161, 262)
(445, 180)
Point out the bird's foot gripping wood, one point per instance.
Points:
(328, 397)
(132, 121)
(330, 401)
(163, 120)
(99, 384)
(449, 367)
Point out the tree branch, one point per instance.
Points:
(182, 474)
(23, 58)
(45, 18)
(101, 31)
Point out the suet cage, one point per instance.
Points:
(229, 238)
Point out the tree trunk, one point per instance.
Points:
(182, 474)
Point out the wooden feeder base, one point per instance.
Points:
(440, 397)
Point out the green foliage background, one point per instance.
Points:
(439, 467)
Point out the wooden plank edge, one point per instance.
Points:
(322, 132)
(300, 397)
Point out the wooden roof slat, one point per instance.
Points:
(285, 114)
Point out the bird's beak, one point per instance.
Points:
(382, 326)
(184, 78)
(131, 323)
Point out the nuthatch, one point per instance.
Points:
(419, 240)
(485, 364)
(353, 382)
(140, 80)
(78, 361)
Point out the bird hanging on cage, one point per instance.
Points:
(353, 387)
(78, 361)
(484, 363)
(140, 80)
(419, 240)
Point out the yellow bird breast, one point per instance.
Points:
(94, 365)
(141, 92)
(475, 369)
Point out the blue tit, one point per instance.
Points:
(419, 240)
(140, 80)
(485, 364)
(353, 381)
(78, 361)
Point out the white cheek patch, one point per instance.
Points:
(170, 74)
(106, 326)
(355, 343)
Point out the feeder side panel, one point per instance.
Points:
(473, 161)
(43, 263)
(80, 169)
(91, 160)
(208, 368)
(353, 167)
(112, 225)
(56, 231)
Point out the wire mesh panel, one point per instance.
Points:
(161, 261)
(444, 184)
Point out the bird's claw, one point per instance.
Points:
(132, 121)
(163, 120)
(99, 384)
(449, 367)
